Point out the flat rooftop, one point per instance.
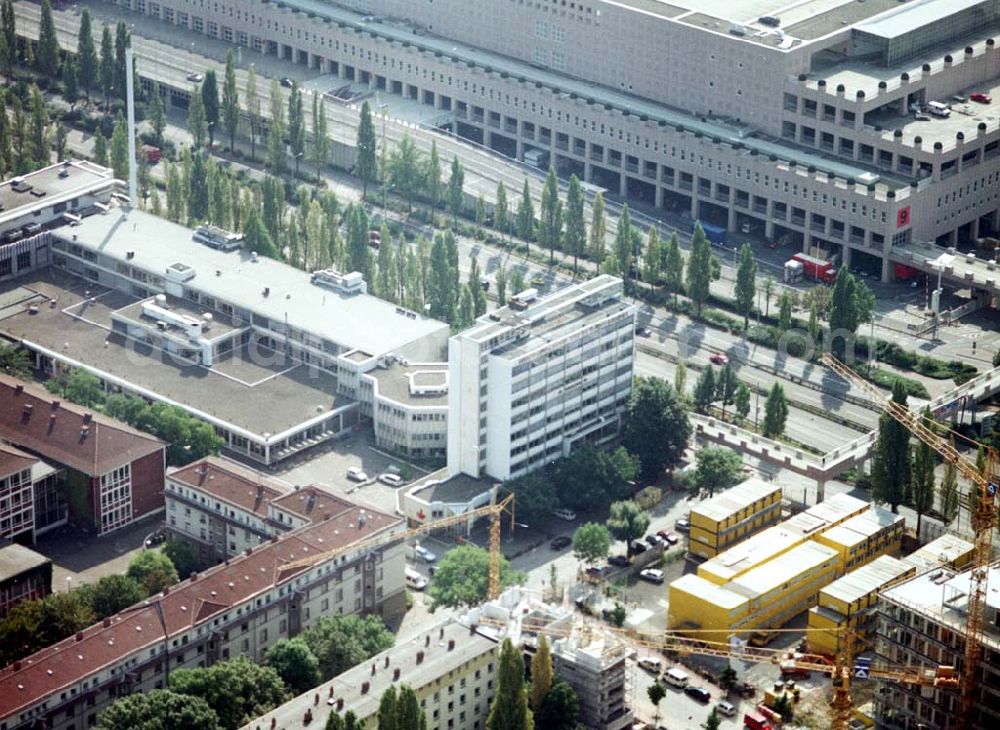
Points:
(731, 501)
(457, 489)
(73, 320)
(859, 583)
(349, 321)
(861, 527)
(220, 325)
(16, 559)
(785, 568)
(36, 188)
(719, 596)
(403, 383)
(942, 551)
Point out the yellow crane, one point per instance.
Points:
(493, 511)
(982, 505)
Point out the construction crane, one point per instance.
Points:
(493, 511)
(983, 513)
(841, 670)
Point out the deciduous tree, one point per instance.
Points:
(598, 230)
(628, 521)
(891, 456)
(153, 569)
(541, 674)
(746, 283)
(230, 102)
(159, 709)
(510, 710)
(341, 641)
(550, 216)
(717, 468)
(366, 166)
(656, 427)
(462, 577)
(237, 690)
(775, 412)
(591, 542)
(526, 216)
(455, 192)
(560, 710)
(47, 55)
(699, 268)
(575, 236)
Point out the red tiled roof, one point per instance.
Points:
(228, 482)
(12, 460)
(64, 434)
(188, 604)
(312, 503)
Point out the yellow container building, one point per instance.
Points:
(864, 537)
(850, 602)
(708, 611)
(732, 516)
(946, 551)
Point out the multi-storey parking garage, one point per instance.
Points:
(798, 122)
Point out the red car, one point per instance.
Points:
(719, 358)
(670, 537)
(981, 98)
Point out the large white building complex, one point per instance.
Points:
(797, 120)
(532, 379)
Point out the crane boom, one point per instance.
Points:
(982, 520)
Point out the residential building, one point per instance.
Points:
(451, 667)
(596, 670)
(439, 495)
(32, 500)
(32, 203)
(24, 575)
(114, 474)
(850, 603)
(922, 623)
(239, 608)
(531, 380)
(864, 537)
(732, 516)
(797, 123)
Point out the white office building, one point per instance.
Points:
(530, 380)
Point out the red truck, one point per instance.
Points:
(150, 153)
(816, 269)
(756, 721)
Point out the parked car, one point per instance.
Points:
(669, 537)
(682, 526)
(287, 82)
(650, 664)
(637, 547)
(195, 77)
(389, 479)
(619, 561)
(356, 474)
(414, 580)
(595, 572)
(652, 575)
(727, 708)
(654, 539)
(424, 554)
(564, 514)
(718, 358)
(561, 542)
(699, 693)
(643, 332)
(981, 98)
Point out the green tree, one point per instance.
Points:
(742, 400)
(550, 216)
(628, 521)
(476, 287)
(157, 117)
(276, 152)
(296, 125)
(341, 641)
(237, 690)
(159, 710)
(541, 674)
(122, 42)
(230, 101)
(433, 177)
(15, 361)
(86, 53)
(921, 491)
(656, 427)
(949, 497)
(814, 328)
(598, 230)
(517, 280)
(197, 119)
(560, 709)
(84, 388)
(111, 594)
(996, 359)
(784, 311)
(656, 692)
(7, 162)
(526, 216)
(455, 193)
(510, 710)
(652, 260)
(480, 215)
(623, 243)
(725, 386)
(843, 312)
(500, 278)
(699, 268)
(534, 495)
(8, 37)
(775, 412)
(358, 252)
(38, 128)
(366, 166)
(465, 314)
(768, 289)
(47, 53)
(673, 270)
(253, 112)
(717, 468)
(295, 663)
(153, 569)
(405, 170)
(387, 710)
(704, 390)
(501, 212)
(713, 721)
(408, 712)
(442, 294)
(746, 283)
(891, 456)
(119, 148)
(321, 136)
(591, 542)
(575, 235)
(462, 577)
(618, 615)
(680, 379)
(592, 478)
(182, 554)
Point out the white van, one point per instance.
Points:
(676, 677)
(414, 580)
(938, 109)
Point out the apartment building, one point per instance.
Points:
(451, 667)
(797, 122)
(113, 474)
(922, 623)
(596, 670)
(732, 516)
(239, 608)
(850, 603)
(24, 575)
(530, 380)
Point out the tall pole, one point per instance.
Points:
(130, 106)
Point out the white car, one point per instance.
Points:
(650, 664)
(652, 575)
(195, 77)
(424, 554)
(727, 708)
(564, 514)
(355, 474)
(392, 480)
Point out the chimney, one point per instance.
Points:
(316, 699)
(55, 405)
(427, 640)
(451, 644)
(373, 669)
(420, 657)
(17, 666)
(386, 661)
(308, 717)
(441, 633)
(79, 636)
(274, 723)
(364, 688)
(88, 417)
(331, 691)
(340, 703)
(18, 389)
(395, 674)
(106, 623)
(26, 413)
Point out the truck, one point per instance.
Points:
(906, 273)
(537, 158)
(151, 154)
(815, 268)
(714, 233)
(755, 720)
(793, 271)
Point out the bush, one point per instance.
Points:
(886, 380)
